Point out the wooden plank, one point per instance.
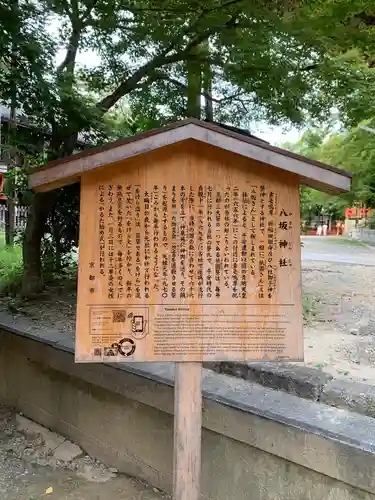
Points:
(59, 183)
(311, 173)
(49, 178)
(187, 431)
(216, 280)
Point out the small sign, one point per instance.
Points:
(358, 213)
(189, 262)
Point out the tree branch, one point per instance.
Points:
(214, 9)
(183, 11)
(71, 51)
(183, 85)
(77, 26)
(309, 67)
(232, 97)
(367, 19)
(67, 8)
(86, 16)
(160, 60)
(131, 83)
(163, 59)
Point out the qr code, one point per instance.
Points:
(119, 317)
(97, 351)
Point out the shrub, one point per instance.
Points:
(10, 268)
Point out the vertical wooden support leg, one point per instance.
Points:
(187, 431)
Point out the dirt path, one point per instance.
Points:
(32, 468)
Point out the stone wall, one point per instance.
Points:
(258, 443)
(363, 234)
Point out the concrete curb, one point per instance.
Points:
(305, 382)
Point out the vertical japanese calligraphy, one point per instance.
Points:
(191, 268)
(188, 242)
(102, 245)
(111, 244)
(244, 243)
(253, 230)
(164, 257)
(227, 225)
(129, 241)
(137, 218)
(235, 240)
(120, 241)
(209, 243)
(200, 247)
(285, 228)
(173, 248)
(183, 240)
(262, 196)
(147, 243)
(218, 243)
(191, 245)
(156, 238)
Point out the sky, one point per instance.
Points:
(277, 135)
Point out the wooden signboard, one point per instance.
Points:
(191, 254)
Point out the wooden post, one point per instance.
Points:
(187, 431)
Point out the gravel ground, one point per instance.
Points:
(340, 329)
(338, 279)
(31, 468)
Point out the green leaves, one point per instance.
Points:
(271, 61)
(352, 150)
(26, 52)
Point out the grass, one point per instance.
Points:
(345, 241)
(309, 307)
(10, 268)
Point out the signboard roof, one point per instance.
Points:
(310, 172)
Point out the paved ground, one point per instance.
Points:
(338, 250)
(37, 464)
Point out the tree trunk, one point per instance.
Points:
(207, 85)
(57, 240)
(12, 131)
(194, 87)
(39, 209)
(9, 220)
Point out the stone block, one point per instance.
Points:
(51, 439)
(354, 396)
(302, 381)
(67, 451)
